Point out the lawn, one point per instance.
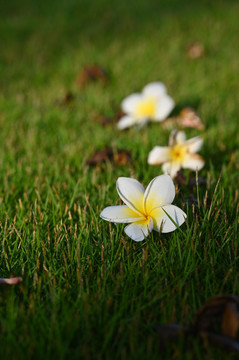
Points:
(88, 290)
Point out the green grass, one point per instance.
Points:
(88, 291)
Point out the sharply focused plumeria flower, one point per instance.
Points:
(152, 104)
(179, 154)
(145, 210)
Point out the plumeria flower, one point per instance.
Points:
(145, 210)
(10, 281)
(152, 104)
(179, 154)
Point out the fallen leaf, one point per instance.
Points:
(119, 114)
(101, 156)
(230, 320)
(189, 118)
(186, 118)
(195, 50)
(181, 179)
(104, 120)
(117, 157)
(168, 334)
(220, 341)
(10, 281)
(122, 157)
(66, 99)
(196, 181)
(91, 73)
(212, 311)
(219, 310)
(191, 200)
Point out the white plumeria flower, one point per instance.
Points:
(179, 154)
(10, 281)
(145, 210)
(152, 104)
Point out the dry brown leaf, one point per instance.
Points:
(181, 179)
(122, 157)
(212, 311)
(103, 120)
(189, 118)
(220, 341)
(195, 50)
(67, 99)
(218, 310)
(186, 118)
(230, 320)
(117, 157)
(91, 73)
(101, 156)
(194, 182)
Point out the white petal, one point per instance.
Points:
(180, 137)
(155, 89)
(158, 155)
(171, 168)
(194, 145)
(164, 107)
(161, 220)
(128, 104)
(176, 137)
(193, 162)
(131, 192)
(120, 214)
(137, 231)
(160, 191)
(125, 122)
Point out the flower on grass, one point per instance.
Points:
(152, 104)
(179, 154)
(10, 281)
(145, 210)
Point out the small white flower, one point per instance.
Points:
(179, 154)
(152, 104)
(145, 210)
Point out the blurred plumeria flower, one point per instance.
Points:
(153, 104)
(179, 154)
(10, 281)
(145, 210)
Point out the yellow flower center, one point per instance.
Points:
(146, 220)
(146, 108)
(178, 153)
